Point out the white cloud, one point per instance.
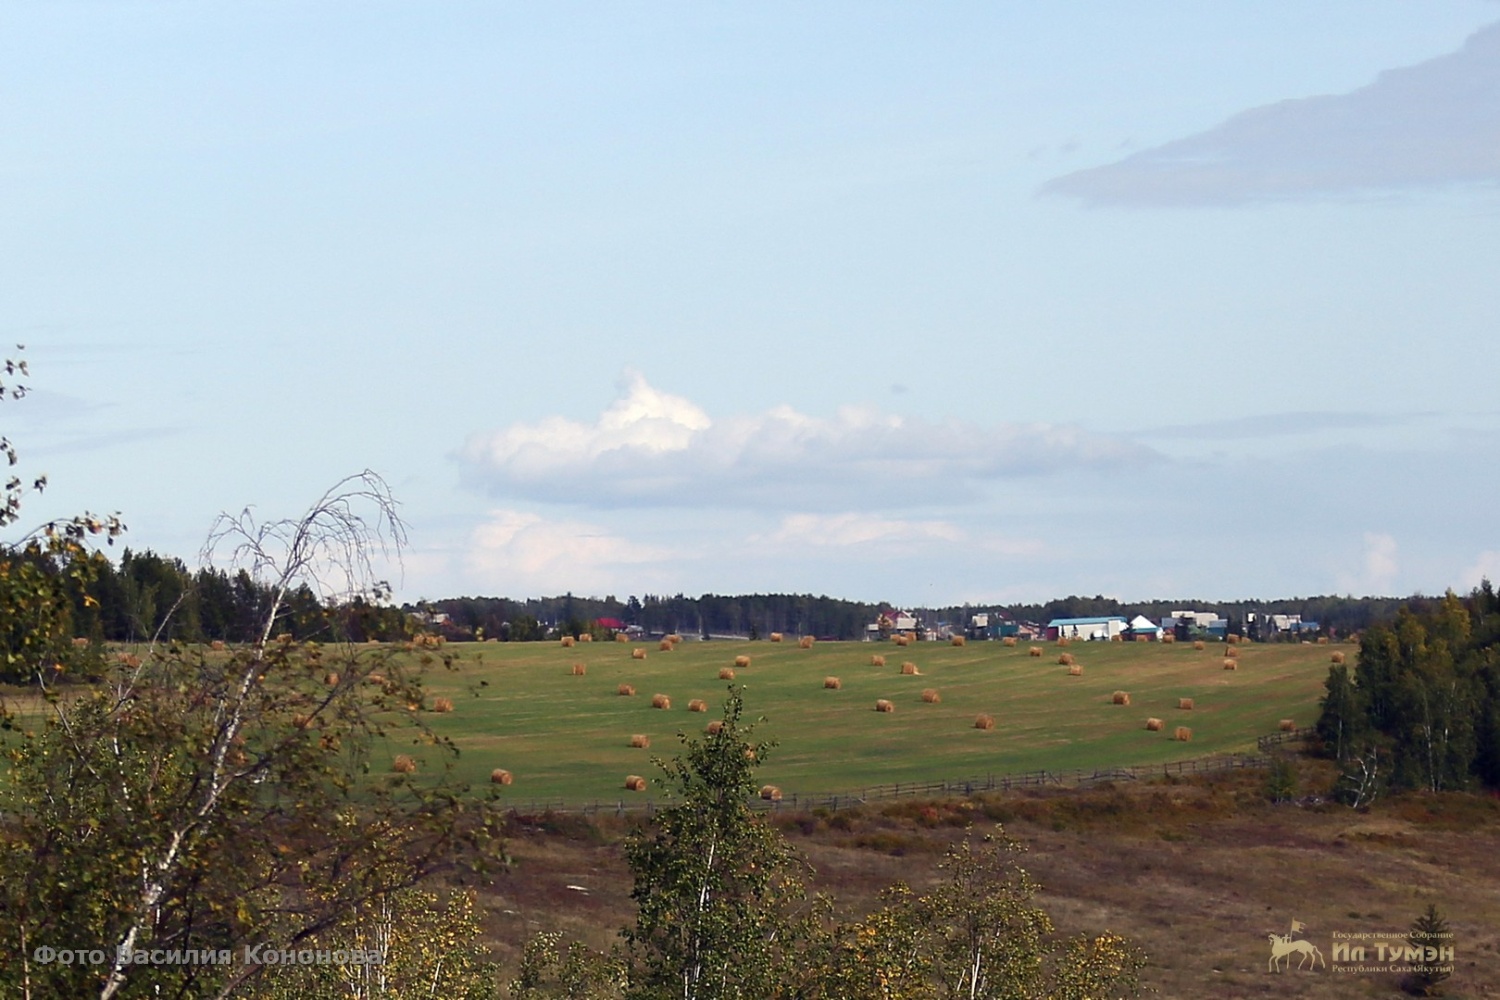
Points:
(650, 448)
(520, 552)
(853, 529)
(1433, 124)
(1486, 567)
(1378, 573)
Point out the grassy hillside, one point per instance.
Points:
(566, 737)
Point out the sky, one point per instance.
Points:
(916, 303)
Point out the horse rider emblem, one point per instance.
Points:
(1284, 946)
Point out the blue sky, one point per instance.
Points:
(908, 302)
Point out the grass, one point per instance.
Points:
(518, 707)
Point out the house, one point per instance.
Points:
(1140, 625)
(889, 623)
(985, 625)
(1192, 624)
(1086, 628)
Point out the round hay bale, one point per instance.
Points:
(1337, 657)
(1231, 653)
(775, 636)
(726, 674)
(909, 669)
(1009, 640)
(902, 640)
(1186, 704)
(770, 793)
(1142, 638)
(957, 640)
(579, 670)
(832, 684)
(1322, 640)
(628, 690)
(806, 642)
(1286, 726)
(877, 660)
(621, 637)
(674, 638)
(1121, 698)
(1182, 734)
(1075, 670)
(1117, 638)
(714, 727)
(1154, 725)
(1066, 659)
(1034, 651)
(881, 705)
(697, 705)
(930, 696)
(984, 722)
(1168, 637)
(742, 662)
(666, 646)
(637, 653)
(1198, 644)
(567, 641)
(635, 783)
(1062, 641)
(403, 764)
(640, 741)
(660, 701)
(1232, 639)
(500, 776)
(1231, 664)
(442, 704)
(585, 637)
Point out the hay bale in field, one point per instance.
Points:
(902, 640)
(1121, 698)
(1231, 652)
(442, 704)
(1186, 704)
(1034, 651)
(1142, 638)
(931, 696)
(832, 683)
(1066, 660)
(881, 705)
(957, 640)
(621, 637)
(1075, 670)
(1182, 734)
(585, 637)
(579, 670)
(714, 727)
(697, 705)
(984, 722)
(1009, 640)
(500, 776)
(403, 764)
(806, 642)
(1198, 644)
(1322, 640)
(637, 653)
(635, 783)
(666, 646)
(877, 660)
(726, 674)
(567, 641)
(775, 636)
(640, 741)
(1154, 725)
(1232, 639)
(1168, 637)
(674, 638)
(627, 690)
(1337, 657)
(909, 669)
(742, 661)
(1231, 664)
(660, 701)
(1062, 641)
(1286, 726)
(770, 793)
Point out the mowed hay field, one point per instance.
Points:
(566, 737)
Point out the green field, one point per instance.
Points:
(566, 737)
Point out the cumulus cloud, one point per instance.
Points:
(1433, 124)
(522, 552)
(1378, 573)
(651, 448)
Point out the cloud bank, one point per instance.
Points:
(1434, 124)
(650, 448)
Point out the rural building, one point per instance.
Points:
(991, 626)
(1086, 628)
(895, 623)
(1195, 624)
(1141, 625)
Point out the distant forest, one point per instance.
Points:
(145, 595)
